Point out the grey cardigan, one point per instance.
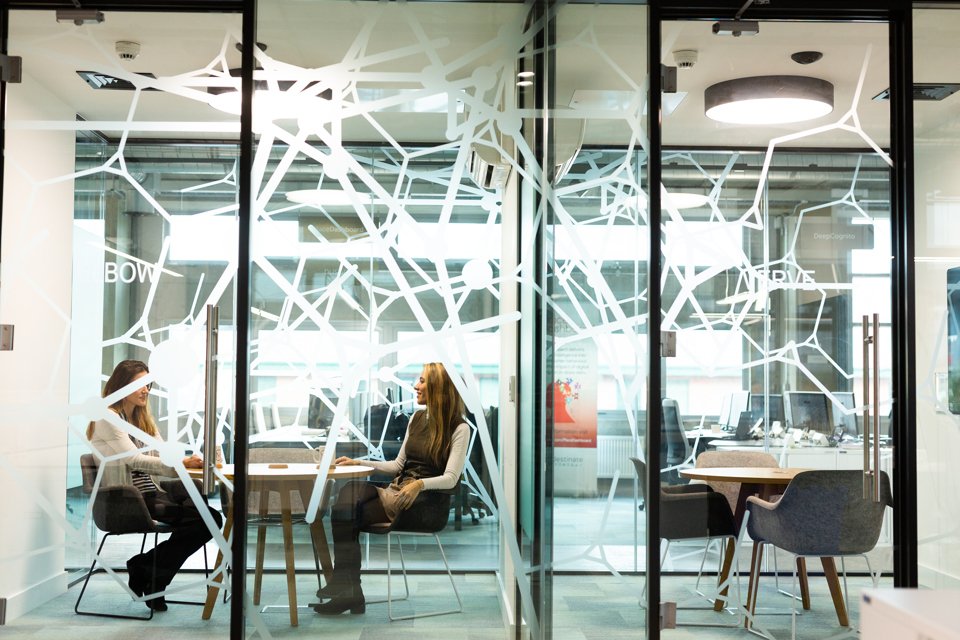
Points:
(111, 441)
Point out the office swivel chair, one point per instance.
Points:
(675, 449)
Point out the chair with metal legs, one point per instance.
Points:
(425, 519)
(695, 512)
(118, 510)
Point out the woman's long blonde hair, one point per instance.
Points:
(123, 374)
(445, 410)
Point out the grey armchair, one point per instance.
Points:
(821, 514)
(691, 512)
(117, 510)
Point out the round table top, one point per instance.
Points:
(750, 475)
(291, 471)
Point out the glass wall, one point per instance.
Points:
(104, 219)
(469, 184)
(776, 244)
(385, 175)
(597, 280)
(937, 278)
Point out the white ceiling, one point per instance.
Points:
(602, 50)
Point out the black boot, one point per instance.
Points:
(331, 590)
(350, 598)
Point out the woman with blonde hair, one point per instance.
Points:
(135, 464)
(429, 463)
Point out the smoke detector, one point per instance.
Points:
(127, 50)
(685, 58)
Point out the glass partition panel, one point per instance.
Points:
(385, 204)
(937, 282)
(597, 274)
(776, 231)
(119, 227)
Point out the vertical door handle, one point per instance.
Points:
(210, 399)
(876, 407)
(871, 407)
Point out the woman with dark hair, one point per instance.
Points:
(430, 461)
(167, 501)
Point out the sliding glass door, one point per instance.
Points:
(776, 285)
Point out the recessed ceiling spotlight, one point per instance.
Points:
(526, 74)
(768, 100)
(525, 83)
(806, 57)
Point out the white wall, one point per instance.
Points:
(938, 432)
(35, 296)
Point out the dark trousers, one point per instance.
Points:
(190, 533)
(358, 506)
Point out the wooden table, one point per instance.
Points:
(765, 482)
(283, 479)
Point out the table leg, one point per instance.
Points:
(286, 521)
(754, 583)
(214, 588)
(261, 545)
(833, 581)
(730, 547)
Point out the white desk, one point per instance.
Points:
(910, 614)
(708, 434)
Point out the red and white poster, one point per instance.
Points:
(575, 418)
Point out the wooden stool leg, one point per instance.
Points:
(287, 522)
(261, 547)
(214, 588)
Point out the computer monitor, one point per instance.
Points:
(319, 415)
(953, 339)
(739, 403)
(775, 406)
(808, 410)
(848, 422)
(724, 416)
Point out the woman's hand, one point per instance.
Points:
(345, 461)
(193, 462)
(409, 493)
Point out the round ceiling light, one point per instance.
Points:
(768, 100)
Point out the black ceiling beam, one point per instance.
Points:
(222, 6)
(781, 9)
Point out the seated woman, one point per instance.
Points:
(169, 504)
(430, 460)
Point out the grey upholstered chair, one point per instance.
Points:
(117, 510)
(714, 459)
(821, 514)
(691, 512)
(426, 518)
(264, 507)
